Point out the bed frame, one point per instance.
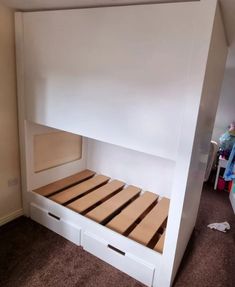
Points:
(141, 217)
(102, 215)
(142, 97)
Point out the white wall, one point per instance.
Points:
(10, 196)
(226, 109)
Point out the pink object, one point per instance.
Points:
(221, 184)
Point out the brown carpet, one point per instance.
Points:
(31, 255)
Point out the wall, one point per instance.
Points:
(226, 109)
(10, 196)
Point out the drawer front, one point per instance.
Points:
(55, 223)
(126, 262)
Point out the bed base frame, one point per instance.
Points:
(107, 218)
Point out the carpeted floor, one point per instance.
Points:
(31, 255)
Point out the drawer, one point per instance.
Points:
(55, 223)
(126, 262)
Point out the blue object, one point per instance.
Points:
(227, 141)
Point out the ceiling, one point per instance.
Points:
(228, 12)
(27, 5)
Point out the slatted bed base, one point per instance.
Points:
(138, 215)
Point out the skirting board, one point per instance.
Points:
(11, 216)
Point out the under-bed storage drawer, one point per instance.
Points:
(125, 262)
(52, 221)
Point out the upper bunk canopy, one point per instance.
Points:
(117, 74)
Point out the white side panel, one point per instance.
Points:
(64, 228)
(143, 170)
(117, 74)
(206, 117)
(126, 262)
(210, 54)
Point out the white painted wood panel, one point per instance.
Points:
(206, 117)
(126, 262)
(148, 172)
(210, 54)
(117, 74)
(64, 228)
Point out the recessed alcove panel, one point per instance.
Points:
(56, 148)
(150, 173)
(52, 154)
(146, 171)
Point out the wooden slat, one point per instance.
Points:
(79, 189)
(64, 182)
(89, 200)
(147, 228)
(115, 203)
(160, 244)
(132, 212)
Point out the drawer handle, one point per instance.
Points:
(54, 216)
(116, 250)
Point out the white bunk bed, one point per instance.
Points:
(140, 84)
